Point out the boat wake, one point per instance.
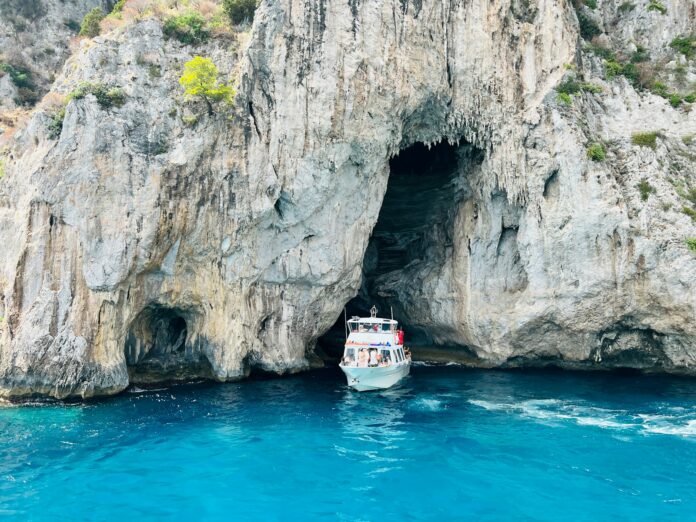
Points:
(675, 421)
(425, 404)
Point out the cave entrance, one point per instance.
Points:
(158, 348)
(412, 235)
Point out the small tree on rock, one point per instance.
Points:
(90, 23)
(201, 80)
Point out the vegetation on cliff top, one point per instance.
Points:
(189, 21)
(107, 97)
(188, 28)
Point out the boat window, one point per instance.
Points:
(386, 327)
(353, 327)
(386, 357)
(397, 355)
(349, 357)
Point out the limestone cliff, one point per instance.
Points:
(152, 240)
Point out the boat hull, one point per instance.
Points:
(375, 378)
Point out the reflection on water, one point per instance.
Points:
(455, 443)
(376, 423)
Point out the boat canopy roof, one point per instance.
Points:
(371, 320)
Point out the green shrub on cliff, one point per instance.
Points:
(596, 152)
(592, 4)
(118, 7)
(655, 5)
(675, 99)
(640, 55)
(106, 96)
(239, 11)
(645, 189)
(588, 27)
(55, 123)
(645, 139)
(685, 45)
(614, 68)
(20, 76)
(22, 79)
(201, 80)
(188, 28)
(691, 243)
(72, 25)
(571, 87)
(564, 98)
(601, 51)
(2, 168)
(90, 23)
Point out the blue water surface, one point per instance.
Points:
(449, 444)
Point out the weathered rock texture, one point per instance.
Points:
(142, 241)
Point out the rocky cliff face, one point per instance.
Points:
(410, 153)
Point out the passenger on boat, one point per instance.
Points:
(373, 358)
(400, 334)
(362, 358)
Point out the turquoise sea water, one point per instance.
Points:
(448, 444)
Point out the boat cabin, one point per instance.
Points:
(373, 341)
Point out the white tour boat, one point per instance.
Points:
(374, 357)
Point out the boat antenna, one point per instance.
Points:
(373, 311)
(345, 317)
(392, 311)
